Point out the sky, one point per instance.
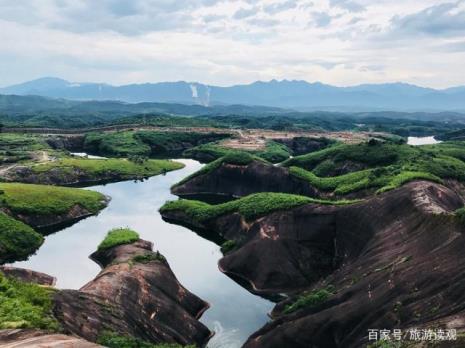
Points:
(339, 42)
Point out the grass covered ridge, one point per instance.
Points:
(343, 169)
(17, 240)
(382, 179)
(99, 167)
(118, 236)
(22, 142)
(273, 152)
(233, 157)
(25, 305)
(16, 148)
(47, 200)
(144, 143)
(250, 207)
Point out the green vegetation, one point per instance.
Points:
(146, 258)
(273, 152)
(47, 200)
(460, 215)
(34, 111)
(145, 143)
(233, 157)
(228, 246)
(343, 169)
(382, 179)
(19, 147)
(21, 142)
(207, 152)
(25, 305)
(115, 340)
(118, 236)
(368, 154)
(98, 167)
(250, 207)
(310, 299)
(452, 135)
(119, 144)
(17, 240)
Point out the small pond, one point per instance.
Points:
(422, 140)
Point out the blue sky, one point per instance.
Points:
(341, 42)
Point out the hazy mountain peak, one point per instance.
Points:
(296, 94)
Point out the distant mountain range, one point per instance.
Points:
(33, 105)
(297, 95)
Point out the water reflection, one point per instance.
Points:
(422, 140)
(234, 312)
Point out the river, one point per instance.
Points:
(234, 313)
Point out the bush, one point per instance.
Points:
(17, 240)
(118, 236)
(149, 257)
(460, 215)
(25, 305)
(311, 299)
(228, 246)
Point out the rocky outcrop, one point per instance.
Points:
(66, 176)
(136, 294)
(394, 261)
(52, 223)
(233, 180)
(27, 275)
(66, 142)
(303, 145)
(30, 338)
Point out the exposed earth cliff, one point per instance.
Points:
(136, 297)
(238, 180)
(84, 172)
(391, 261)
(27, 212)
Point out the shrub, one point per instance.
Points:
(25, 305)
(146, 258)
(118, 236)
(310, 299)
(17, 240)
(228, 246)
(460, 215)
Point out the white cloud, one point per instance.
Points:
(226, 42)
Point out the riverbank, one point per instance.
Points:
(234, 313)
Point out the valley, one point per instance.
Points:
(232, 174)
(284, 222)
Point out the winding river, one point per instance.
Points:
(234, 313)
